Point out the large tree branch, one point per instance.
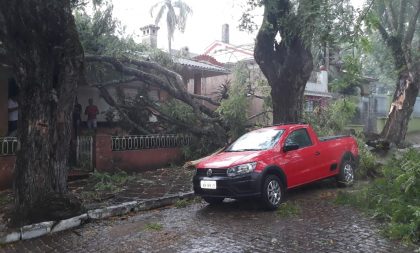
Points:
(383, 32)
(111, 102)
(402, 15)
(205, 98)
(412, 27)
(174, 87)
(390, 11)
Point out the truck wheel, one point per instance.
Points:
(346, 176)
(272, 194)
(213, 200)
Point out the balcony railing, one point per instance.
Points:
(139, 142)
(8, 146)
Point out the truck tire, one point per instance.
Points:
(345, 177)
(272, 192)
(213, 200)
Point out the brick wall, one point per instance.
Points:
(7, 163)
(132, 160)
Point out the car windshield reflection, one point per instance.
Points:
(262, 139)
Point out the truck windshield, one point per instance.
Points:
(256, 140)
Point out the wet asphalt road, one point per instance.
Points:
(235, 226)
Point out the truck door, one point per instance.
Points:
(300, 164)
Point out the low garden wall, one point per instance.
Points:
(8, 146)
(137, 152)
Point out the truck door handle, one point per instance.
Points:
(317, 153)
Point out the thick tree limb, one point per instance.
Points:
(390, 11)
(174, 87)
(259, 114)
(402, 14)
(205, 98)
(412, 27)
(110, 101)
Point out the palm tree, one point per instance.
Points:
(174, 20)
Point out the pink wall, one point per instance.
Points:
(132, 160)
(7, 163)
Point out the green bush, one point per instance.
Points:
(394, 198)
(368, 166)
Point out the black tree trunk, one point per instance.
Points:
(287, 65)
(41, 39)
(405, 95)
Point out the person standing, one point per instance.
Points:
(77, 117)
(91, 111)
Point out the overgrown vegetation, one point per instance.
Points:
(332, 119)
(393, 198)
(234, 109)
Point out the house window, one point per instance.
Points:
(309, 106)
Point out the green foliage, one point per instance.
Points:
(233, 111)
(153, 226)
(332, 119)
(394, 198)
(367, 161)
(105, 181)
(349, 78)
(288, 209)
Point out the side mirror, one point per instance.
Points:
(290, 147)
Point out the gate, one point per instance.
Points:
(84, 153)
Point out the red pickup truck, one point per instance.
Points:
(265, 162)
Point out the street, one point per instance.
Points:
(234, 226)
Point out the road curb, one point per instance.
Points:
(50, 227)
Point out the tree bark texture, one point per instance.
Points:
(41, 39)
(398, 33)
(287, 64)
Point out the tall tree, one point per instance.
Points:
(43, 45)
(397, 22)
(174, 19)
(284, 44)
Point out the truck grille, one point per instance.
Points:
(215, 172)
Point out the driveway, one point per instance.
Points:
(320, 226)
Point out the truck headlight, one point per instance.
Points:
(241, 169)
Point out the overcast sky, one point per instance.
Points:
(203, 27)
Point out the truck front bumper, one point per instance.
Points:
(242, 186)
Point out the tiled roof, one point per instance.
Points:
(200, 65)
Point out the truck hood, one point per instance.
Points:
(229, 159)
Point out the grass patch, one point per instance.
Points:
(153, 226)
(182, 203)
(393, 198)
(288, 209)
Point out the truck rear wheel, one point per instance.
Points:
(346, 176)
(272, 192)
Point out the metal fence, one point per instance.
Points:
(138, 142)
(84, 152)
(8, 146)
